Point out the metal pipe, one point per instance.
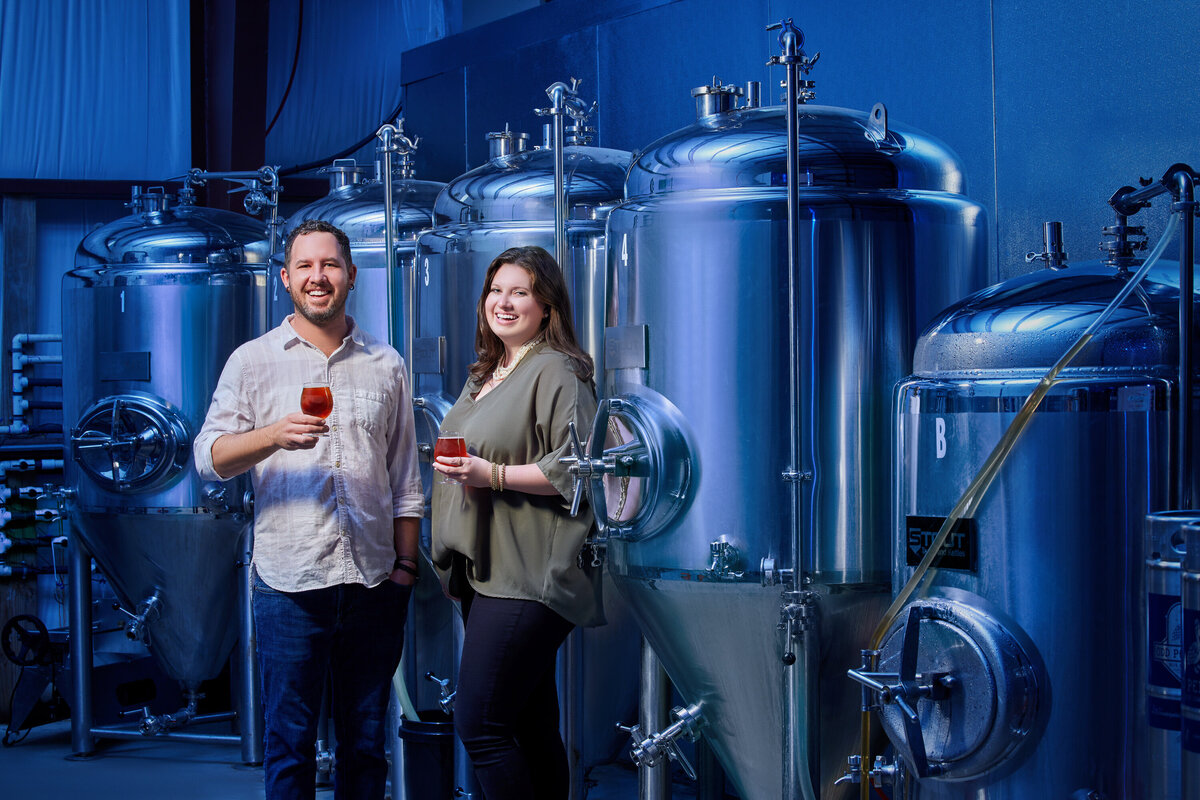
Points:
(178, 736)
(654, 709)
(792, 58)
(1185, 204)
(22, 339)
(556, 93)
(80, 626)
(249, 690)
(389, 237)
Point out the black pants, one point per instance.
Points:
(506, 710)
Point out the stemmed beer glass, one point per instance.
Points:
(316, 400)
(450, 444)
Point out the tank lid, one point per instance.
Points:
(343, 172)
(158, 235)
(506, 142)
(1029, 322)
(520, 187)
(715, 98)
(359, 211)
(746, 148)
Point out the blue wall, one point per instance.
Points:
(1050, 106)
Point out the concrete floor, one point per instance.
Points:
(40, 766)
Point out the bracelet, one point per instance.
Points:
(495, 477)
(403, 567)
(502, 468)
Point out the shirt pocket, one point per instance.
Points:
(370, 410)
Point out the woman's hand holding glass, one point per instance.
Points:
(456, 465)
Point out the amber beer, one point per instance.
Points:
(316, 400)
(450, 444)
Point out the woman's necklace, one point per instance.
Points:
(500, 373)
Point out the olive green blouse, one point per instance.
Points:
(519, 545)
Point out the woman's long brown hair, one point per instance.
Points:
(550, 290)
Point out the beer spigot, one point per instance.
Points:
(905, 688)
(446, 701)
(651, 751)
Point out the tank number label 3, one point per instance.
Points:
(960, 551)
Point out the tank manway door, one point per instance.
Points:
(964, 692)
(637, 468)
(131, 443)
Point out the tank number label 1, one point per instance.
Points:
(939, 435)
(960, 550)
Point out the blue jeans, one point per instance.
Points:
(352, 633)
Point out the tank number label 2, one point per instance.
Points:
(960, 550)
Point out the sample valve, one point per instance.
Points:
(650, 751)
(147, 611)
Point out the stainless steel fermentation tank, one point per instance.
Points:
(746, 398)
(508, 202)
(156, 303)
(1034, 612)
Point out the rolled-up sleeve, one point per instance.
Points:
(228, 413)
(408, 496)
(557, 405)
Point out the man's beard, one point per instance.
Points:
(300, 302)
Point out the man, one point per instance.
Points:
(336, 517)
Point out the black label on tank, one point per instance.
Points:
(960, 550)
(128, 366)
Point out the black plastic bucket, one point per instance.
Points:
(428, 756)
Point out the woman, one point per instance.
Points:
(504, 541)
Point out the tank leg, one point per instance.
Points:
(396, 747)
(570, 703)
(249, 699)
(710, 778)
(654, 714)
(464, 776)
(80, 622)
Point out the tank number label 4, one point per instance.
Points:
(960, 550)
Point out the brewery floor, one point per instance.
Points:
(39, 766)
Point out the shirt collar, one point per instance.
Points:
(289, 337)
